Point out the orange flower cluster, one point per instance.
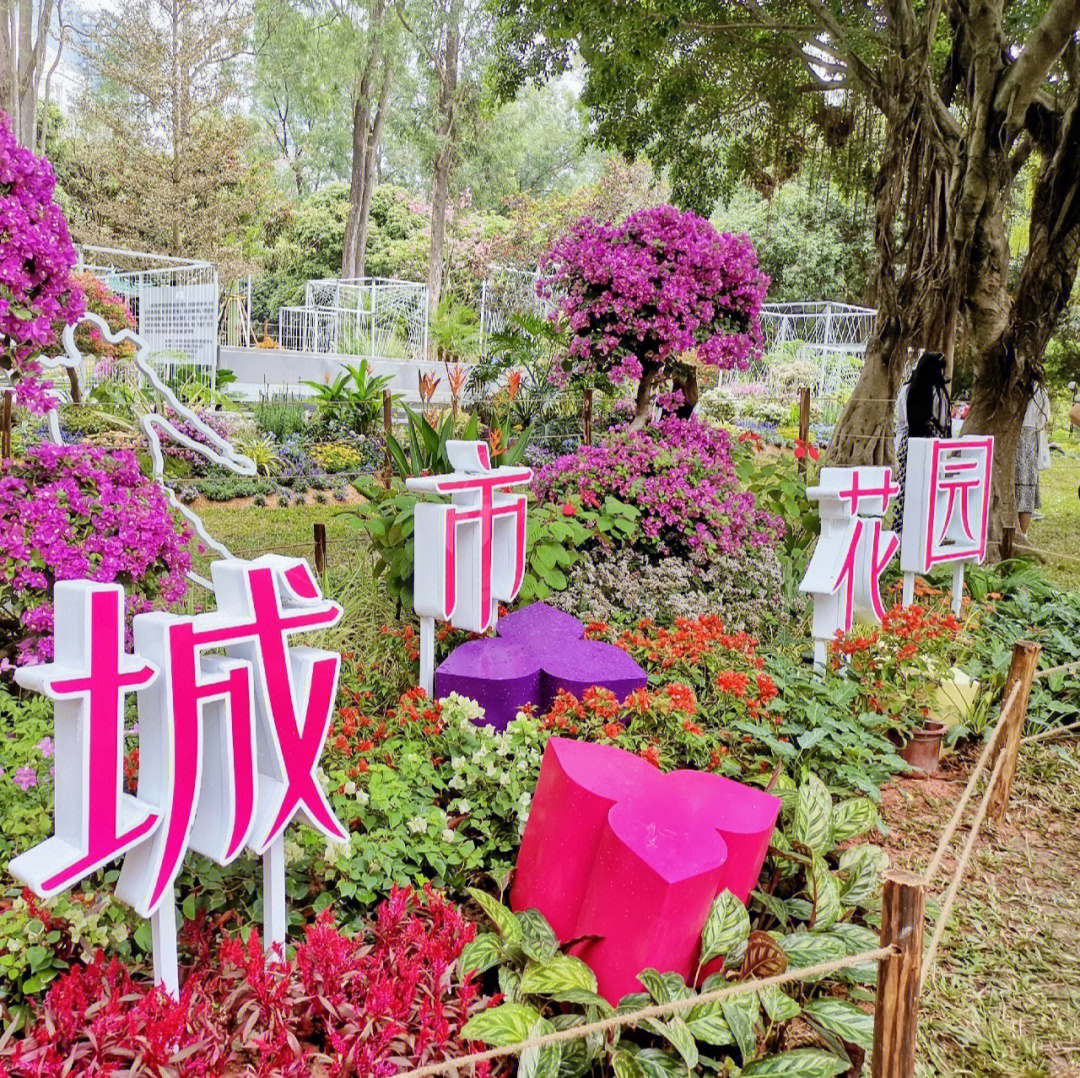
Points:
(690, 641)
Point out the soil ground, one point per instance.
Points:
(1003, 1000)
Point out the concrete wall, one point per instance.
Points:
(278, 370)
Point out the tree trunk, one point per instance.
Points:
(374, 143)
(1008, 365)
(914, 285)
(22, 62)
(444, 158)
(649, 372)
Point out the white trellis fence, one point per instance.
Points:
(818, 342)
(377, 317)
(506, 291)
(175, 305)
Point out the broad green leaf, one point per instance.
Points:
(481, 954)
(861, 868)
(510, 984)
(538, 939)
(853, 817)
(812, 826)
(711, 1029)
(509, 1023)
(779, 1006)
(655, 1063)
(677, 1031)
(664, 987)
(805, 949)
(856, 939)
(558, 974)
(801, 1063)
(540, 1062)
(844, 1019)
(585, 998)
(826, 890)
(726, 930)
(741, 1014)
(776, 906)
(625, 1065)
(503, 919)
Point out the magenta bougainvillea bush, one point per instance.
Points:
(37, 290)
(639, 294)
(369, 1005)
(71, 512)
(680, 474)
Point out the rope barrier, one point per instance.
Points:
(961, 867)
(1045, 735)
(1064, 668)
(656, 1010)
(965, 797)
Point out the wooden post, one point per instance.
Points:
(1022, 669)
(5, 428)
(320, 549)
(896, 1013)
(586, 415)
(804, 423)
(1008, 543)
(388, 426)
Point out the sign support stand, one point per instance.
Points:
(427, 655)
(275, 921)
(957, 587)
(163, 937)
(909, 588)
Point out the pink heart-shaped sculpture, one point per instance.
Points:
(615, 849)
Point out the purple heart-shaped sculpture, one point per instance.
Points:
(538, 651)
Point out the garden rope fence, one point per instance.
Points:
(656, 1010)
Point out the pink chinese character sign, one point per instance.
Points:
(468, 555)
(844, 575)
(229, 742)
(946, 507)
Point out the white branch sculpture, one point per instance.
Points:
(218, 451)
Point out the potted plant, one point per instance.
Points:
(901, 667)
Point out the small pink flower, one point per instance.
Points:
(26, 777)
(46, 747)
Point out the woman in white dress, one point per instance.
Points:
(1032, 455)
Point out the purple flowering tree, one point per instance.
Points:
(681, 476)
(37, 291)
(81, 512)
(652, 298)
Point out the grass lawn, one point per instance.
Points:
(1059, 530)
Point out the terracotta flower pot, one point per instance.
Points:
(923, 750)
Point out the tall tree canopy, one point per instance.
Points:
(950, 98)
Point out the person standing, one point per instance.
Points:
(923, 410)
(1032, 455)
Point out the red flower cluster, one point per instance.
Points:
(365, 1006)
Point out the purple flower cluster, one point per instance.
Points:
(679, 473)
(659, 284)
(37, 290)
(79, 512)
